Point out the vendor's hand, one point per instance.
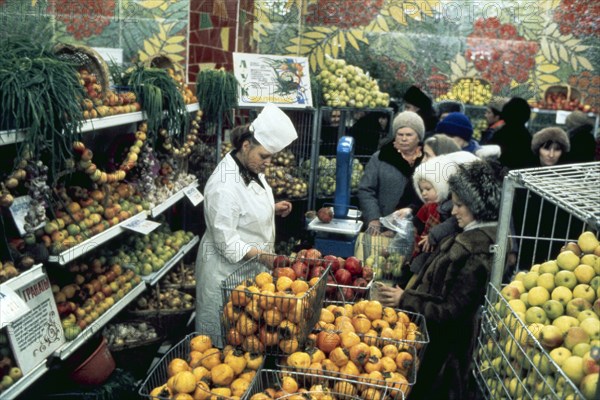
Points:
(426, 247)
(283, 208)
(401, 213)
(390, 296)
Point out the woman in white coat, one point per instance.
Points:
(239, 210)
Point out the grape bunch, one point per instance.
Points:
(499, 53)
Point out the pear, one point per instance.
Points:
(587, 242)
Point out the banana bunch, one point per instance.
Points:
(469, 91)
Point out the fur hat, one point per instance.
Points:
(551, 134)
(438, 170)
(409, 119)
(456, 124)
(577, 119)
(449, 106)
(497, 104)
(479, 186)
(516, 111)
(441, 144)
(417, 97)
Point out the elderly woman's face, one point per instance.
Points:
(406, 140)
(461, 212)
(549, 155)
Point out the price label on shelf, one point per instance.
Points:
(143, 226)
(11, 306)
(561, 117)
(194, 195)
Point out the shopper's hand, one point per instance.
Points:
(283, 208)
(374, 227)
(390, 296)
(401, 213)
(426, 247)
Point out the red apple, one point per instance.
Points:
(284, 271)
(345, 294)
(331, 286)
(300, 269)
(316, 271)
(367, 273)
(312, 257)
(360, 282)
(281, 261)
(353, 265)
(333, 262)
(343, 277)
(107, 290)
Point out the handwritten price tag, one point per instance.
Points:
(143, 226)
(194, 195)
(11, 306)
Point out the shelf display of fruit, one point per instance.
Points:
(182, 277)
(146, 254)
(167, 300)
(346, 85)
(99, 104)
(8, 270)
(270, 312)
(196, 368)
(283, 176)
(477, 92)
(188, 95)
(547, 325)
(122, 334)
(560, 101)
(94, 287)
(9, 371)
(326, 175)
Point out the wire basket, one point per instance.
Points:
(510, 362)
(88, 58)
(396, 389)
(315, 384)
(289, 319)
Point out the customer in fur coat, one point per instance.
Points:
(451, 285)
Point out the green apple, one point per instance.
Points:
(546, 280)
(595, 283)
(567, 260)
(588, 386)
(553, 309)
(575, 335)
(562, 294)
(564, 322)
(530, 279)
(584, 291)
(549, 267)
(581, 348)
(584, 273)
(551, 336)
(591, 326)
(573, 368)
(517, 305)
(538, 296)
(575, 306)
(535, 314)
(560, 354)
(565, 278)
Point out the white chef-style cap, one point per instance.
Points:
(273, 129)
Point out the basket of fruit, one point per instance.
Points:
(271, 312)
(561, 97)
(272, 384)
(197, 368)
(475, 91)
(182, 278)
(93, 70)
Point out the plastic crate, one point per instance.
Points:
(338, 388)
(511, 363)
(306, 309)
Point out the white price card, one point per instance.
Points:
(194, 195)
(143, 226)
(561, 116)
(19, 209)
(11, 306)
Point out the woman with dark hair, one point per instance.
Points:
(239, 210)
(550, 145)
(416, 100)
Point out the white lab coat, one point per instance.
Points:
(237, 217)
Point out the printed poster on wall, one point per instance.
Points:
(280, 80)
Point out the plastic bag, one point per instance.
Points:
(404, 229)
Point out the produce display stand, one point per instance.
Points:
(25, 382)
(541, 118)
(69, 347)
(168, 203)
(153, 278)
(567, 204)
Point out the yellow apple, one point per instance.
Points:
(519, 285)
(510, 292)
(584, 291)
(538, 296)
(519, 276)
(585, 314)
(587, 242)
(535, 268)
(553, 308)
(588, 386)
(523, 298)
(575, 335)
(562, 294)
(567, 260)
(517, 305)
(546, 280)
(542, 363)
(530, 280)
(564, 322)
(591, 326)
(535, 314)
(573, 368)
(589, 259)
(580, 349)
(584, 273)
(590, 366)
(560, 354)
(551, 337)
(550, 267)
(575, 306)
(565, 278)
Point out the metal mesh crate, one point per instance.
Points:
(289, 319)
(511, 363)
(385, 256)
(395, 388)
(317, 385)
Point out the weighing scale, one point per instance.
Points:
(338, 237)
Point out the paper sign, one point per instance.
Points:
(194, 195)
(11, 306)
(274, 79)
(110, 54)
(19, 209)
(143, 226)
(561, 117)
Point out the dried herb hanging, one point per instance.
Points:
(217, 92)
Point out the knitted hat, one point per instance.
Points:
(516, 111)
(497, 103)
(551, 134)
(441, 144)
(577, 119)
(438, 170)
(409, 119)
(456, 124)
(416, 97)
(479, 186)
(449, 106)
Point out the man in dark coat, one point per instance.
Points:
(514, 138)
(580, 130)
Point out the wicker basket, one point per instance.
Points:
(162, 61)
(88, 58)
(570, 92)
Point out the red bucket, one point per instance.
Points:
(96, 368)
